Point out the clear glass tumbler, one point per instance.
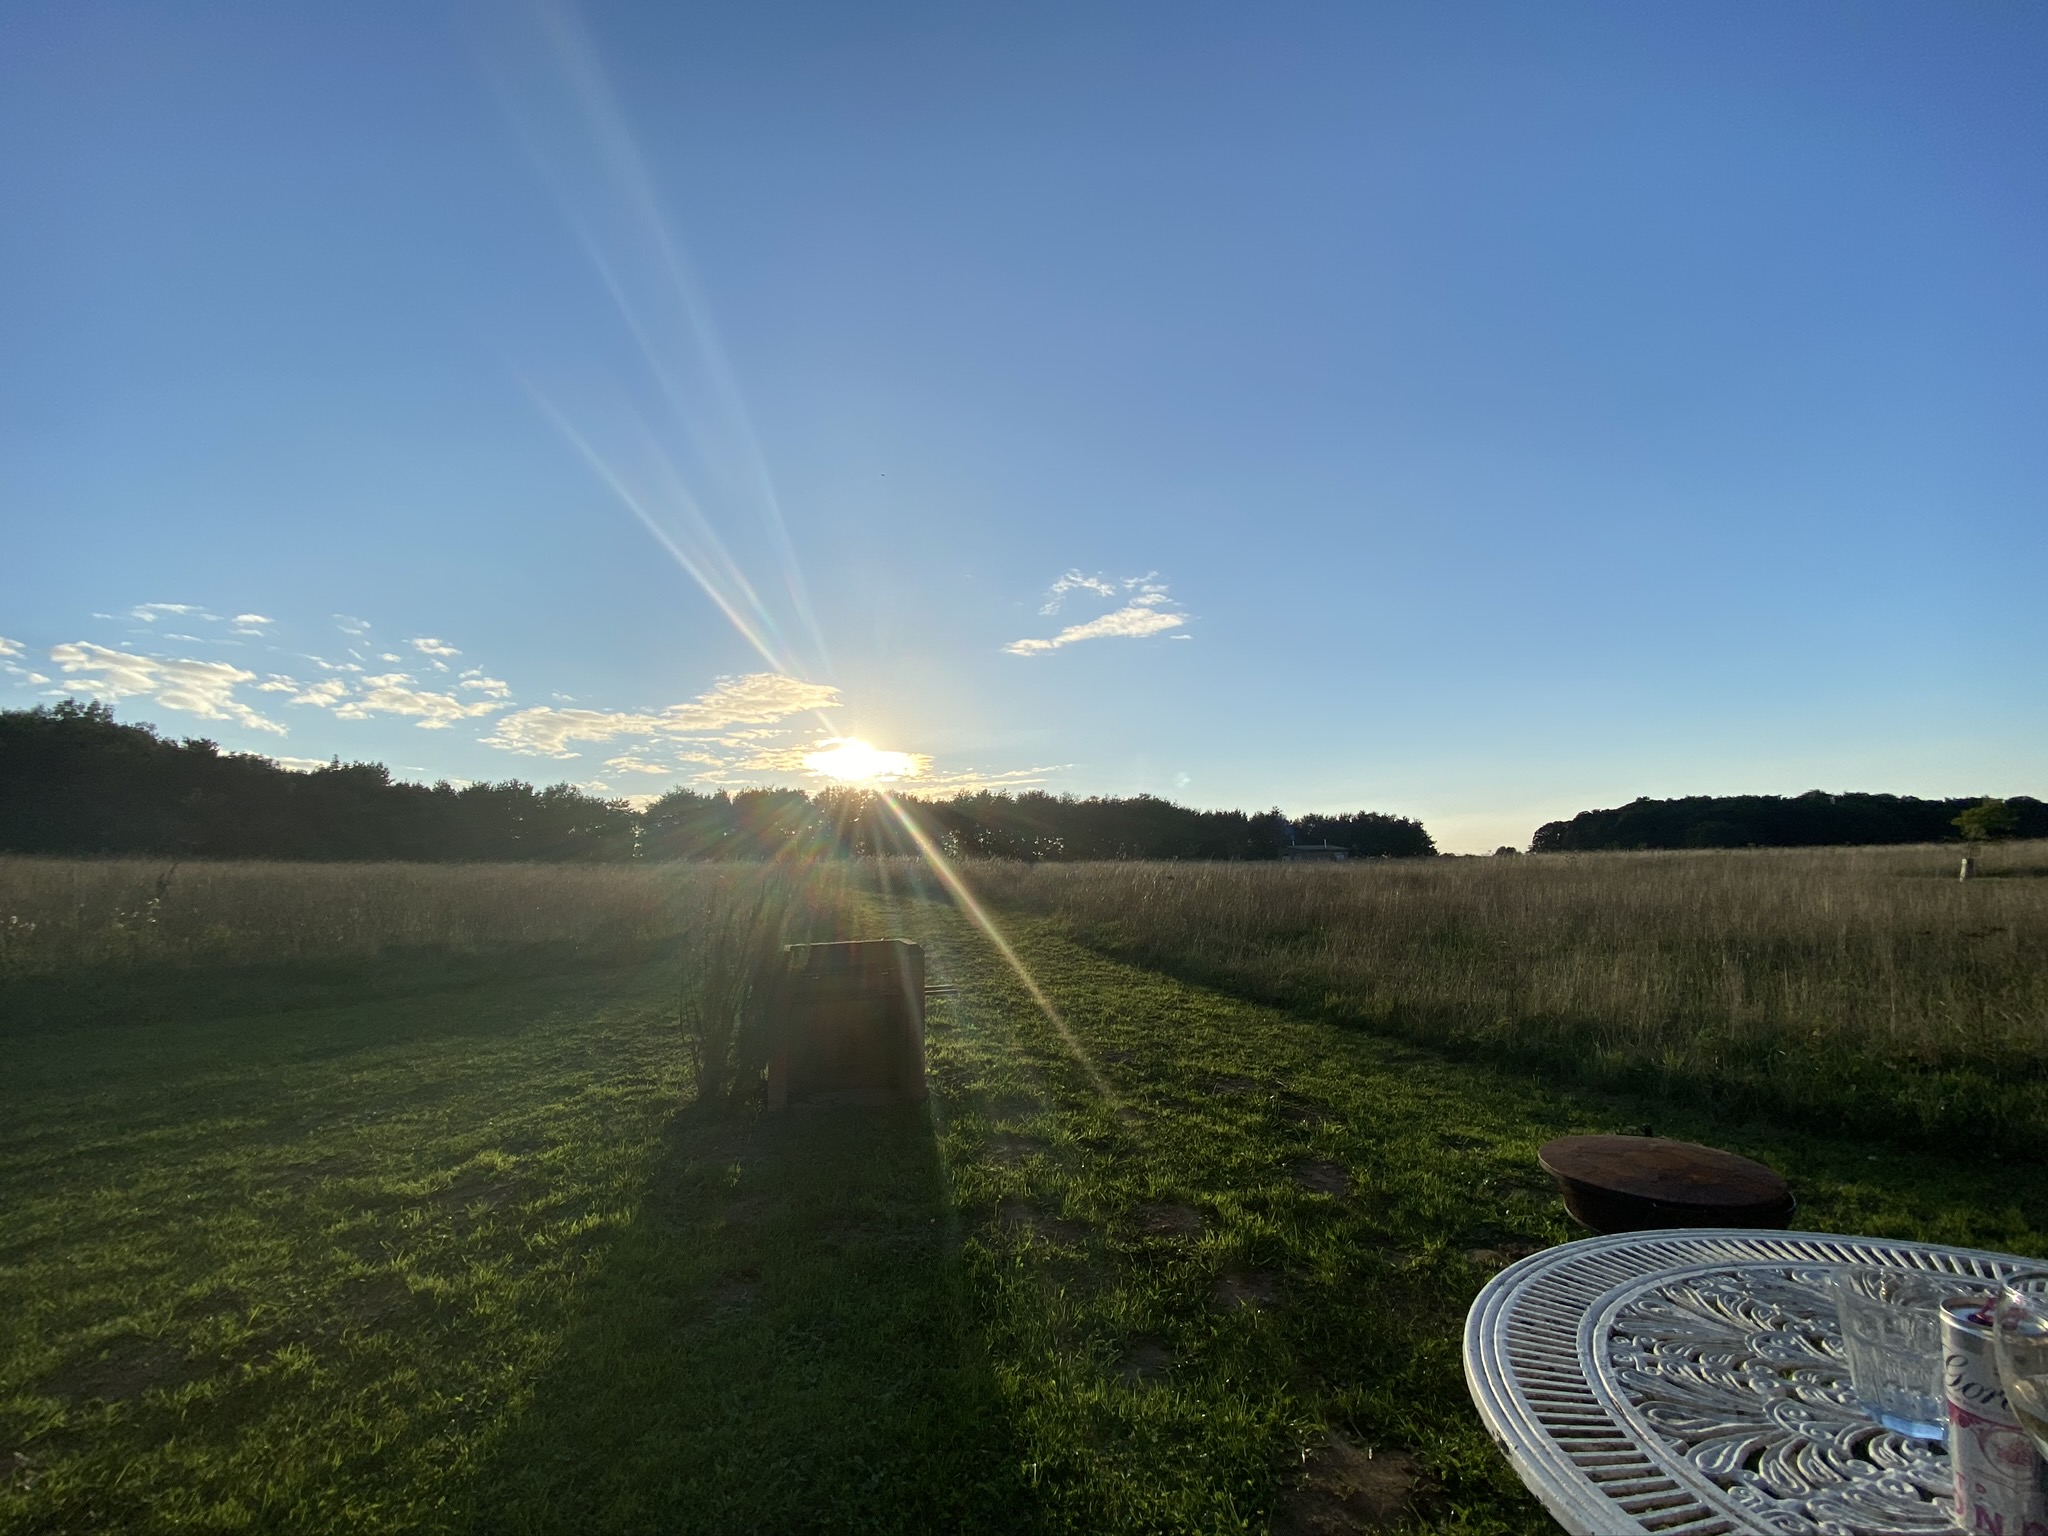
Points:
(2019, 1326)
(1891, 1331)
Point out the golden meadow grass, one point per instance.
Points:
(59, 915)
(1867, 988)
(724, 924)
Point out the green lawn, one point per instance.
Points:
(435, 1245)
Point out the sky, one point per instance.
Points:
(1472, 412)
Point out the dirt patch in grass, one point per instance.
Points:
(1017, 1214)
(121, 1373)
(1324, 1178)
(1345, 1487)
(1011, 1149)
(1167, 1220)
(480, 1190)
(1015, 1106)
(1147, 1362)
(1258, 1289)
(374, 1300)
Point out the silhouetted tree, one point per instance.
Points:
(73, 780)
(1811, 820)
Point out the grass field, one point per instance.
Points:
(415, 1234)
(1866, 990)
(64, 918)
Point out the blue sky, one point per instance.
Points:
(1472, 412)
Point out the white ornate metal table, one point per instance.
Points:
(1690, 1383)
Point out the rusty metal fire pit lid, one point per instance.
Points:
(1668, 1172)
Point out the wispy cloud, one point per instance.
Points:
(1148, 609)
(628, 763)
(758, 698)
(301, 764)
(27, 676)
(321, 695)
(393, 693)
(1074, 581)
(202, 688)
(746, 729)
(149, 613)
(936, 786)
(249, 625)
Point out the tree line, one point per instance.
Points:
(1811, 820)
(75, 781)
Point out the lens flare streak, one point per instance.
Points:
(707, 457)
(956, 886)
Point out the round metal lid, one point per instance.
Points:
(1670, 1172)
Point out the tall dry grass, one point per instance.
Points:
(733, 965)
(63, 915)
(1861, 988)
(724, 924)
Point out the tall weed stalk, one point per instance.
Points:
(733, 964)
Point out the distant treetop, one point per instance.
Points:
(1811, 820)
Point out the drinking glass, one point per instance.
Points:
(1891, 1331)
(2019, 1330)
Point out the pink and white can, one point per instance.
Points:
(2001, 1483)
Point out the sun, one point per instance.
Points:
(849, 760)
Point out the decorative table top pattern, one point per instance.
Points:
(1693, 1383)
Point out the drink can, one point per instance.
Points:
(2001, 1484)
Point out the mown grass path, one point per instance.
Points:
(450, 1255)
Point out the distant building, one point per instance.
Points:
(1314, 853)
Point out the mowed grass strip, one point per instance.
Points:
(285, 1268)
(454, 1255)
(458, 1259)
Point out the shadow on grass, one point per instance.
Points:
(780, 1340)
